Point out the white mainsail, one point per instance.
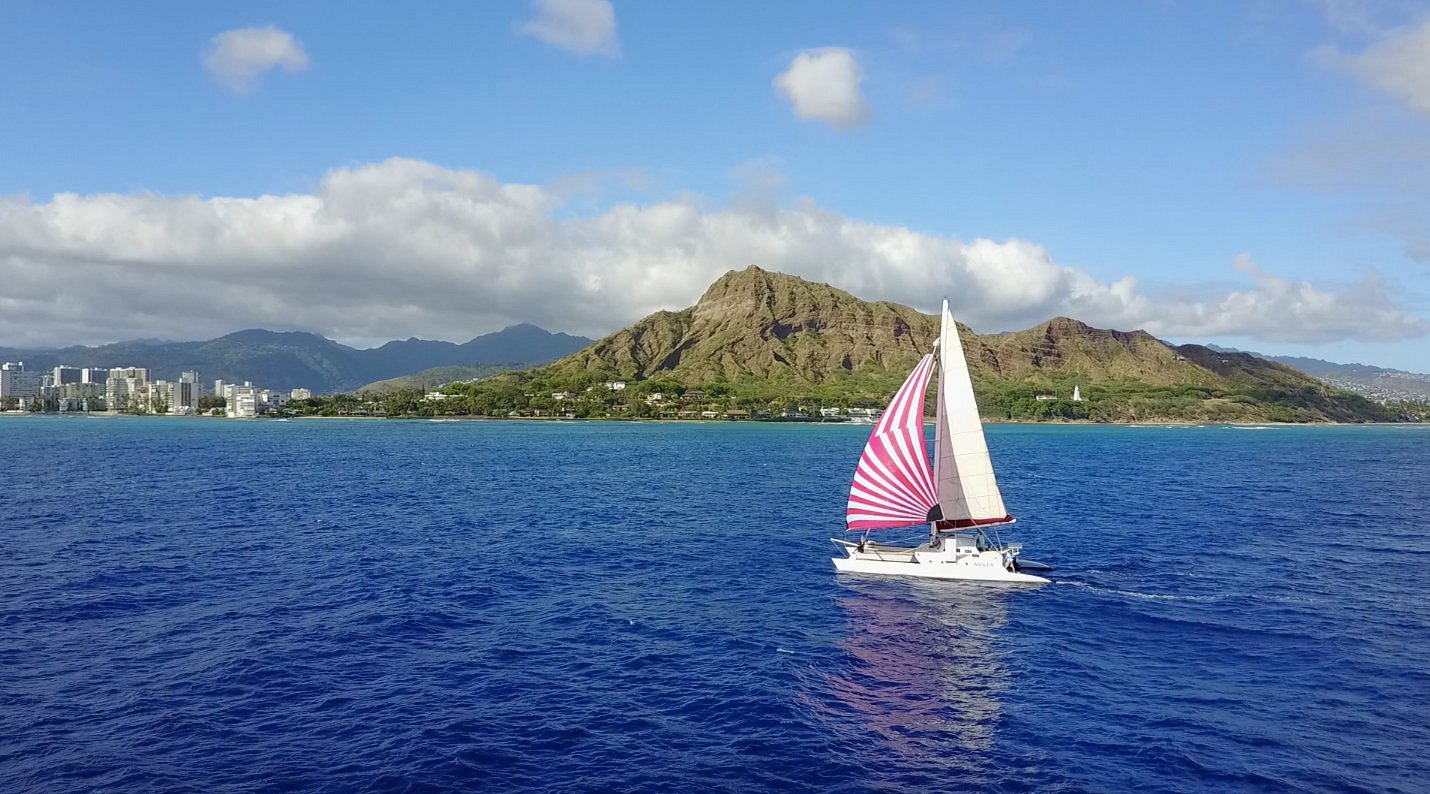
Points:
(967, 489)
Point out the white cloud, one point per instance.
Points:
(238, 58)
(1397, 62)
(407, 248)
(585, 27)
(1283, 310)
(823, 85)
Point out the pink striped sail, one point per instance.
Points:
(893, 485)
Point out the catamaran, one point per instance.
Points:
(958, 497)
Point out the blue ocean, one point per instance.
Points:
(413, 606)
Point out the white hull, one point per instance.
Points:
(948, 562)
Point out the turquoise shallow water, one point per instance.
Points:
(418, 606)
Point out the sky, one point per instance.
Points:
(1255, 174)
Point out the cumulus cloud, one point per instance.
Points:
(585, 27)
(823, 85)
(407, 248)
(1280, 309)
(1397, 62)
(238, 58)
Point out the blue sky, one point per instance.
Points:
(1251, 174)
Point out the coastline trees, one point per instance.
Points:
(589, 395)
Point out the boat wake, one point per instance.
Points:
(1140, 595)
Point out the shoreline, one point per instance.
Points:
(1145, 423)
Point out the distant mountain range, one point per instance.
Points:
(1377, 383)
(776, 335)
(288, 360)
(783, 334)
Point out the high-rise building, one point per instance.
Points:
(93, 375)
(76, 396)
(242, 400)
(127, 388)
(16, 382)
(186, 393)
(130, 372)
(300, 394)
(160, 397)
(65, 375)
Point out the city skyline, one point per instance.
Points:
(66, 389)
(1248, 175)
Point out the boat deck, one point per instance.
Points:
(886, 552)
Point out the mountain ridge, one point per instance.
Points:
(1367, 380)
(292, 359)
(769, 333)
(784, 323)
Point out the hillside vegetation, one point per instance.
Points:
(435, 377)
(759, 343)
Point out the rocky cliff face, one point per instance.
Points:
(756, 324)
(1064, 345)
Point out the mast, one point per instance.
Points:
(941, 463)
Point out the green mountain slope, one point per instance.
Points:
(437, 376)
(757, 325)
(760, 338)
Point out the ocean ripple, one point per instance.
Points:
(415, 606)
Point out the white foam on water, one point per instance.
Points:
(1143, 596)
